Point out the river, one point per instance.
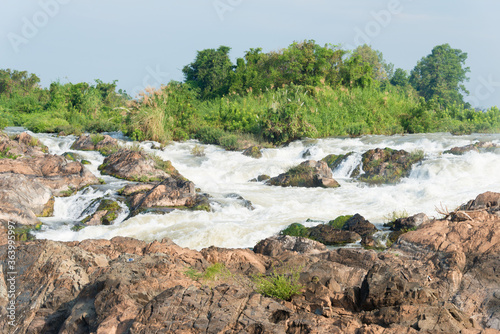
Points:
(440, 181)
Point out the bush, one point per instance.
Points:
(281, 283)
(209, 135)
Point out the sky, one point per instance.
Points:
(147, 43)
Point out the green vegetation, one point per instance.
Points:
(24, 233)
(304, 90)
(6, 155)
(296, 230)
(282, 283)
(198, 151)
(339, 222)
(213, 272)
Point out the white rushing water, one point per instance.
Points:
(440, 180)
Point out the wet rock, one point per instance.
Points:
(489, 201)
(387, 165)
(277, 245)
(308, 174)
(244, 202)
(359, 225)
(254, 152)
(306, 154)
(334, 160)
(137, 166)
(165, 196)
(476, 147)
(103, 143)
(328, 235)
(72, 156)
(261, 178)
(410, 222)
(106, 213)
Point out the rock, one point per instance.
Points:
(244, 202)
(489, 201)
(387, 165)
(476, 147)
(360, 225)
(72, 156)
(442, 278)
(23, 199)
(306, 154)
(106, 213)
(53, 171)
(21, 145)
(165, 196)
(137, 166)
(103, 143)
(333, 160)
(328, 235)
(254, 152)
(277, 245)
(410, 222)
(28, 184)
(308, 174)
(261, 178)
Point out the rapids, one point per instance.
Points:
(441, 181)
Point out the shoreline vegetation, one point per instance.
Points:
(305, 90)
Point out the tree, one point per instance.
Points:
(440, 75)
(211, 72)
(400, 78)
(381, 69)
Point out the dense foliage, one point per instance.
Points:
(305, 90)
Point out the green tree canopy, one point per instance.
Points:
(381, 69)
(441, 74)
(210, 72)
(400, 78)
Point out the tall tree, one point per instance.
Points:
(441, 74)
(211, 72)
(381, 69)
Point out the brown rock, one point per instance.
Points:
(310, 173)
(137, 166)
(360, 225)
(22, 145)
(328, 235)
(88, 143)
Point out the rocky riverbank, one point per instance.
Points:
(441, 278)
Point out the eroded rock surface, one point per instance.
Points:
(476, 147)
(441, 278)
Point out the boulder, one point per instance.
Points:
(103, 143)
(134, 165)
(310, 173)
(334, 160)
(476, 147)
(163, 197)
(106, 213)
(254, 152)
(277, 245)
(410, 222)
(331, 236)
(387, 165)
(359, 225)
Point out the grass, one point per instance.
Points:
(198, 151)
(296, 230)
(214, 272)
(96, 138)
(281, 283)
(393, 216)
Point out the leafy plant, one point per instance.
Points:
(281, 283)
(213, 272)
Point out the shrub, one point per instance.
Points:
(198, 151)
(296, 230)
(282, 283)
(209, 135)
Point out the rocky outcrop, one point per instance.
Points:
(21, 145)
(359, 225)
(137, 166)
(442, 278)
(96, 142)
(310, 173)
(387, 165)
(28, 184)
(164, 197)
(52, 171)
(476, 147)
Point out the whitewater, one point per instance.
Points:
(440, 182)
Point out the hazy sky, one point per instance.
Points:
(148, 42)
